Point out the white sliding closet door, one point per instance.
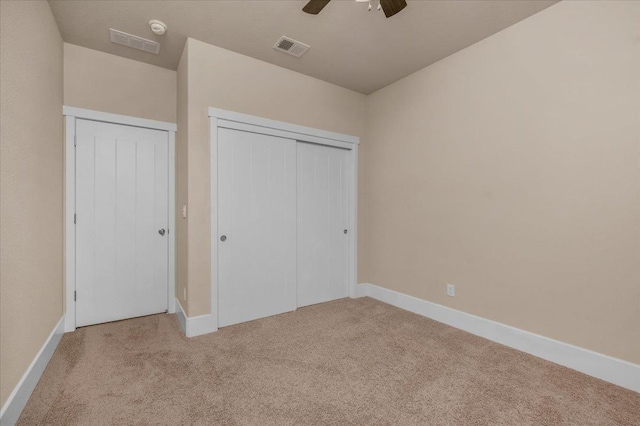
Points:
(324, 181)
(122, 217)
(256, 226)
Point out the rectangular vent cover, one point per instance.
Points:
(290, 46)
(136, 42)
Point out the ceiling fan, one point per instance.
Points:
(389, 7)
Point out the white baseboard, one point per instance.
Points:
(604, 367)
(18, 399)
(194, 326)
(182, 318)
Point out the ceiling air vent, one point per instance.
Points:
(136, 42)
(291, 46)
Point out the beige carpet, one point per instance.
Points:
(345, 362)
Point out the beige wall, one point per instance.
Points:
(512, 170)
(31, 176)
(182, 196)
(224, 79)
(109, 83)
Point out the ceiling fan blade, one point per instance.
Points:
(315, 6)
(391, 7)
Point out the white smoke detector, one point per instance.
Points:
(158, 27)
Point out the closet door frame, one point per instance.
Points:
(220, 118)
(70, 115)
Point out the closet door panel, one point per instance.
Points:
(323, 216)
(257, 226)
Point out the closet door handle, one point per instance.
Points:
(161, 232)
(223, 238)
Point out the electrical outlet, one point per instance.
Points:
(184, 294)
(451, 290)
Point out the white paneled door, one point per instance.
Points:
(256, 226)
(324, 182)
(122, 222)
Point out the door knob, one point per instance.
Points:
(223, 238)
(161, 232)
(345, 231)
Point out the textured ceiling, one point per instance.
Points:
(350, 47)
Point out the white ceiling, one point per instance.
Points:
(350, 47)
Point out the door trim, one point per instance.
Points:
(299, 132)
(70, 115)
(220, 118)
(107, 117)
